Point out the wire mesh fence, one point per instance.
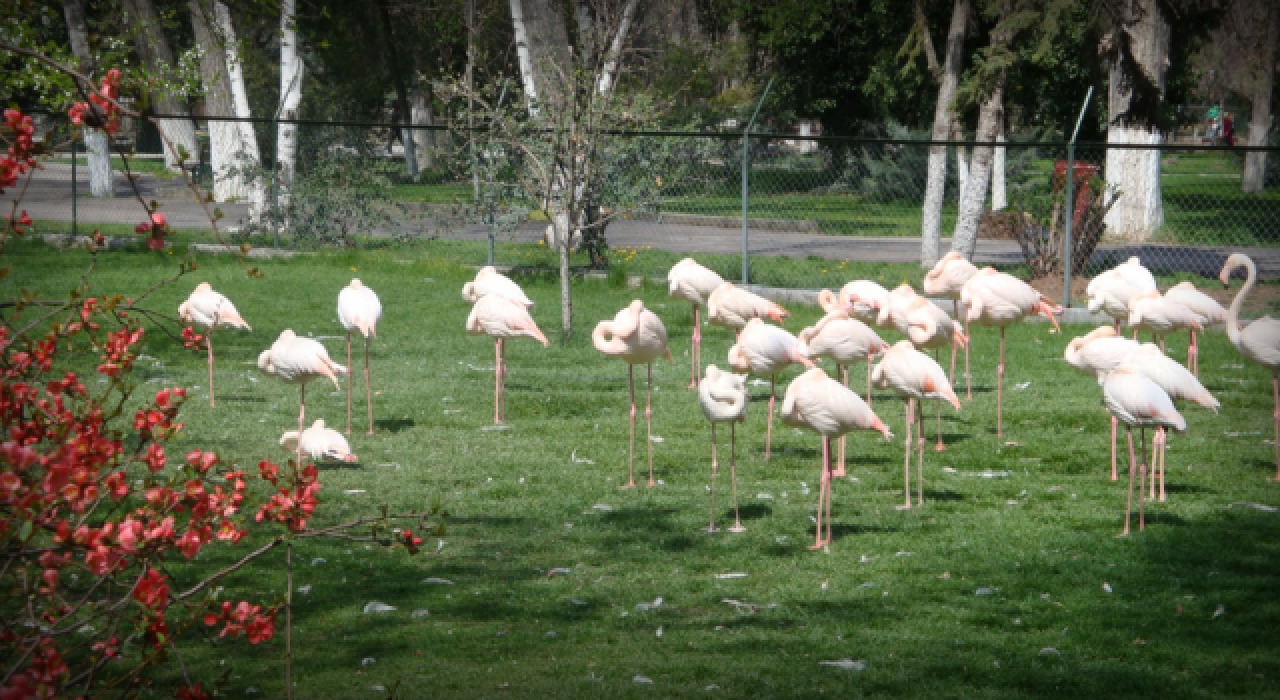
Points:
(810, 205)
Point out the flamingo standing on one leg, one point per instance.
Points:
(926, 326)
(694, 283)
(359, 309)
(1160, 316)
(994, 298)
(731, 307)
(846, 341)
(211, 310)
(319, 442)
(947, 278)
(500, 317)
(723, 397)
(637, 336)
(489, 281)
(1098, 353)
(831, 304)
(297, 361)
(1137, 401)
(821, 404)
(766, 350)
(914, 376)
(863, 299)
(1206, 307)
(1111, 291)
(1258, 342)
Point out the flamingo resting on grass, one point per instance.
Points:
(359, 309)
(211, 310)
(319, 442)
(823, 405)
(723, 397)
(766, 350)
(500, 317)
(694, 283)
(1137, 401)
(1205, 307)
(637, 336)
(914, 376)
(298, 360)
(845, 341)
(947, 278)
(1258, 342)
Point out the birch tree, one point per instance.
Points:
(233, 151)
(1138, 49)
(97, 147)
(291, 70)
(153, 48)
(1263, 77)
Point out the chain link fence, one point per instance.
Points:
(812, 205)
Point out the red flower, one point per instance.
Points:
(152, 590)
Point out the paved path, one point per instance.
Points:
(49, 197)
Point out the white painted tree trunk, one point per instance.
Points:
(421, 113)
(523, 57)
(974, 199)
(291, 70)
(246, 158)
(943, 117)
(609, 73)
(1135, 174)
(97, 147)
(1255, 162)
(962, 168)
(999, 193)
(153, 48)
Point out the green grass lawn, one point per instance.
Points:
(997, 587)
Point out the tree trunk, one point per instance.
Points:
(1138, 67)
(246, 156)
(97, 147)
(470, 77)
(153, 49)
(943, 116)
(1255, 162)
(965, 238)
(291, 70)
(999, 193)
(524, 57)
(609, 74)
(408, 137)
(422, 114)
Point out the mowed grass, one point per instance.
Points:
(997, 587)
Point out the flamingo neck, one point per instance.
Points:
(1233, 313)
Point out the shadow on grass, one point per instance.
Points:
(242, 398)
(393, 425)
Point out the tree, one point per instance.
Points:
(291, 70)
(1262, 74)
(97, 145)
(153, 49)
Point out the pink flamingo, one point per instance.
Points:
(297, 361)
(1097, 354)
(1258, 342)
(489, 281)
(926, 326)
(766, 350)
(731, 307)
(211, 310)
(1160, 316)
(1137, 401)
(863, 299)
(815, 401)
(694, 283)
(637, 336)
(1206, 308)
(500, 317)
(723, 397)
(359, 309)
(845, 341)
(994, 298)
(947, 278)
(1111, 291)
(319, 442)
(915, 376)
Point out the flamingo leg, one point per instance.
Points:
(1164, 441)
(1193, 355)
(906, 465)
(824, 485)
(827, 442)
(1142, 474)
(733, 478)
(920, 449)
(695, 351)
(1275, 391)
(839, 470)
(648, 420)
(631, 440)
(1155, 461)
(941, 447)
(1128, 505)
(502, 365)
(768, 433)
(208, 343)
(968, 387)
(712, 527)
(1161, 340)
(497, 381)
(868, 382)
(1114, 424)
(349, 380)
(1000, 389)
(302, 416)
(368, 390)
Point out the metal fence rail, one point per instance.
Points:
(820, 201)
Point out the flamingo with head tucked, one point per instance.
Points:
(1111, 291)
(732, 307)
(211, 310)
(297, 361)
(359, 309)
(319, 442)
(1135, 400)
(501, 317)
(1160, 316)
(915, 377)
(947, 278)
(863, 299)
(1097, 354)
(694, 283)
(637, 336)
(489, 281)
(1258, 342)
(845, 341)
(723, 397)
(1208, 310)
(766, 350)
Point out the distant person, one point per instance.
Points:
(1212, 119)
(1228, 129)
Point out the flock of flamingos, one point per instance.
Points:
(1139, 382)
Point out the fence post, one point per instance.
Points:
(75, 194)
(1070, 205)
(746, 170)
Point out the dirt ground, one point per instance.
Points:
(1263, 299)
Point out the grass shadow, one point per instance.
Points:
(393, 425)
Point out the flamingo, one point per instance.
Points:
(1097, 354)
(723, 397)
(359, 309)
(1135, 400)
(1258, 342)
(298, 360)
(845, 340)
(731, 307)
(994, 298)
(637, 336)
(863, 299)
(1205, 306)
(766, 350)
(500, 317)
(211, 310)
(1160, 316)
(815, 401)
(319, 442)
(694, 283)
(947, 278)
(1111, 291)
(915, 376)
(926, 326)
(489, 281)
(1179, 384)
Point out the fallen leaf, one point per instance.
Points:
(1222, 610)
(642, 679)
(1049, 651)
(1106, 586)
(845, 664)
(376, 607)
(437, 581)
(1256, 506)
(419, 613)
(735, 574)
